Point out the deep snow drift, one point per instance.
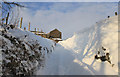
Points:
(76, 57)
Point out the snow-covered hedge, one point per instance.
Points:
(22, 51)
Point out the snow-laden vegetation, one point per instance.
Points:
(22, 51)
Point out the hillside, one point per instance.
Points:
(77, 56)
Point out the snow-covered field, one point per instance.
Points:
(76, 57)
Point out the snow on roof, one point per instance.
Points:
(55, 30)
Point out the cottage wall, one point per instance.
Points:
(55, 34)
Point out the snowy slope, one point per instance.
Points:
(22, 51)
(76, 57)
(85, 45)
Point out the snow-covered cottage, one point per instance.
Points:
(55, 35)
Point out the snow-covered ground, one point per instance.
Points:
(76, 57)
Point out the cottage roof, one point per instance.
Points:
(55, 30)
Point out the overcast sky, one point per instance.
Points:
(68, 17)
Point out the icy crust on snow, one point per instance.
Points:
(86, 43)
(22, 51)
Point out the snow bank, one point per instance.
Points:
(22, 51)
(86, 43)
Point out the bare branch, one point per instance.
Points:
(9, 3)
(8, 7)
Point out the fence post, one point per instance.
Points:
(38, 30)
(21, 22)
(24, 28)
(116, 13)
(7, 18)
(29, 27)
(35, 30)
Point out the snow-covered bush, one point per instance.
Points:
(20, 55)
